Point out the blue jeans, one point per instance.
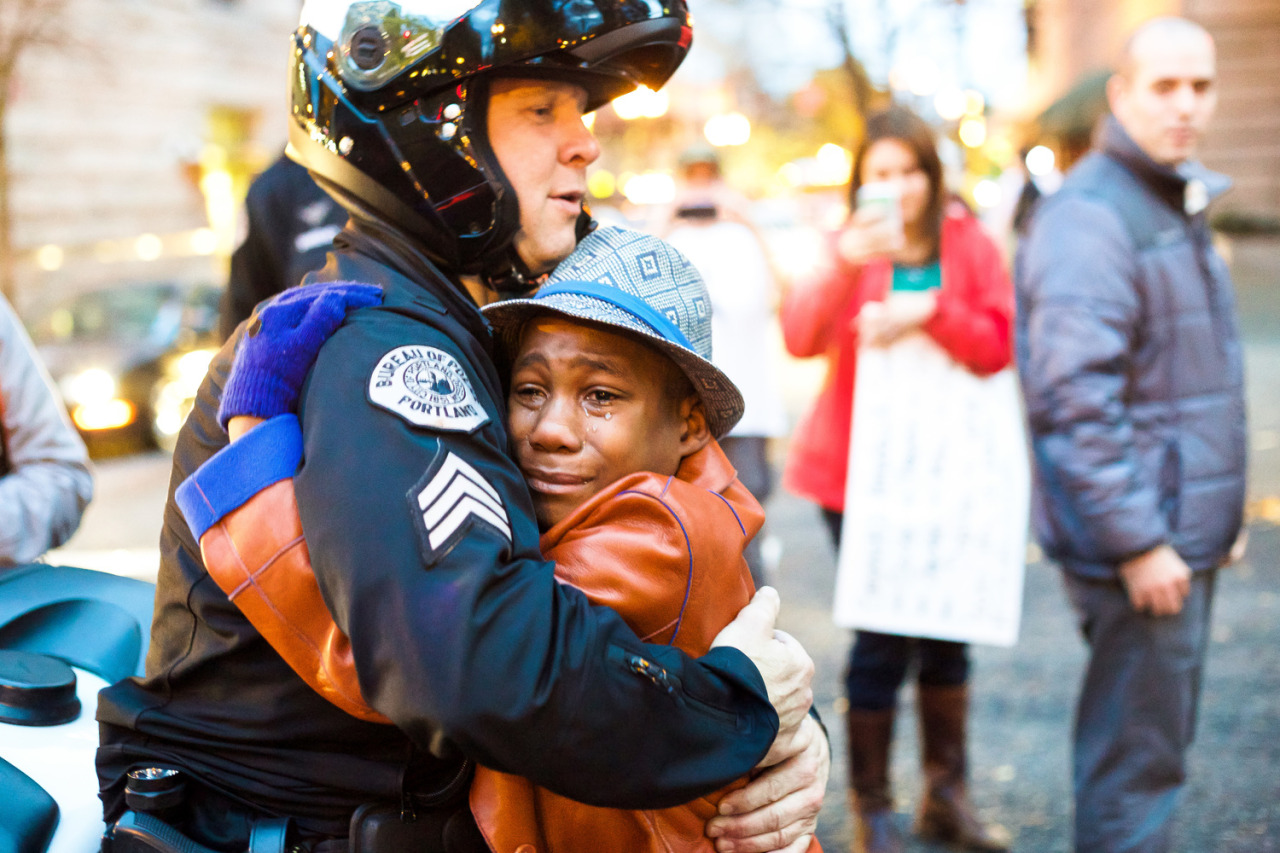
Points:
(1136, 714)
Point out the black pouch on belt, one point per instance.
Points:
(440, 822)
(382, 828)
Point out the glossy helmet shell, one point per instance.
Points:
(388, 103)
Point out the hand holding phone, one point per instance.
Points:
(875, 229)
(882, 201)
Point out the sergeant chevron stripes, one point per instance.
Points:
(455, 494)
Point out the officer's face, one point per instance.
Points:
(589, 406)
(1166, 95)
(537, 134)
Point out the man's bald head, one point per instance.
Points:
(1163, 92)
(1156, 34)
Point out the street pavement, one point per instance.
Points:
(1022, 696)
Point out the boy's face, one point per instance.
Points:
(589, 406)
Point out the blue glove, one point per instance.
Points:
(282, 342)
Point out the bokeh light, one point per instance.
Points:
(727, 129)
(1040, 160)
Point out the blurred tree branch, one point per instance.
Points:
(837, 18)
(24, 25)
(835, 15)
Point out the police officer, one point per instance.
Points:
(289, 224)
(453, 137)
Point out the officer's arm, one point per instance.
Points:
(425, 548)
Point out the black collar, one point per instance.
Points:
(1168, 182)
(392, 248)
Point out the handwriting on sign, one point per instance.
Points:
(935, 524)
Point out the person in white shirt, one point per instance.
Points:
(709, 226)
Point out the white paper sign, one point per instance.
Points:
(936, 501)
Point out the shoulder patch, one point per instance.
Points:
(428, 388)
(450, 498)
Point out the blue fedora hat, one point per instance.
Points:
(638, 283)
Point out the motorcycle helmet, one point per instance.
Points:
(389, 105)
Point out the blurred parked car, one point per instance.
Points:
(128, 359)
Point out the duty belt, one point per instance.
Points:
(156, 798)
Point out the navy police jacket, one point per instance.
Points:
(425, 547)
(1131, 364)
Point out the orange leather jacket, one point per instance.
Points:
(666, 554)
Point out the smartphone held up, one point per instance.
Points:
(884, 200)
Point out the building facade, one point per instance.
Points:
(131, 138)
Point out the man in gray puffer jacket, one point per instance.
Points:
(1131, 365)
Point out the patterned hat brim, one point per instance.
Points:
(720, 397)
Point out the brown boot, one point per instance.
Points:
(946, 813)
(870, 734)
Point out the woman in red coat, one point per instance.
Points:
(932, 270)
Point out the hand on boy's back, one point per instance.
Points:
(778, 809)
(784, 665)
(281, 343)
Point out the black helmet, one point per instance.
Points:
(389, 104)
